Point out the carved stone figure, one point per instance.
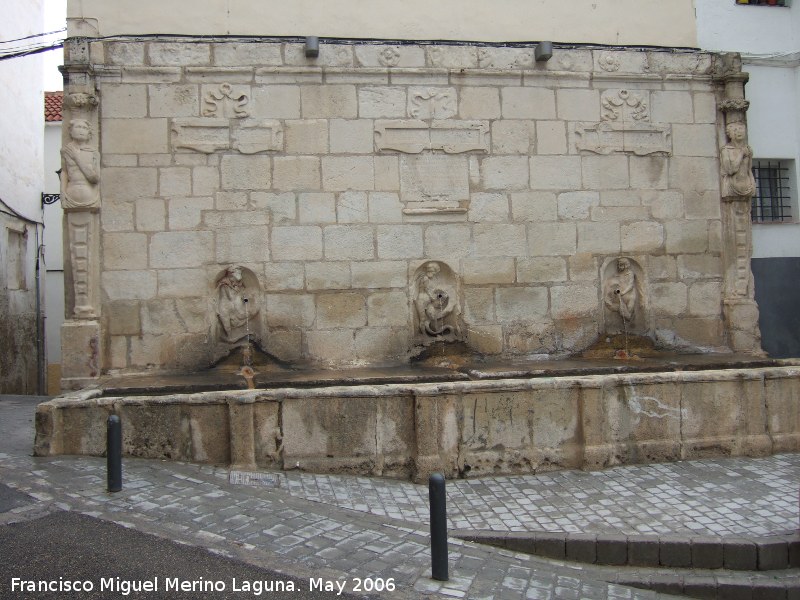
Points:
(235, 308)
(736, 160)
(436, 306)
(622, 297)
(81, 168)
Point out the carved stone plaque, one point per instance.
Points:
(248, 136)
(414, 137)
(639, 138)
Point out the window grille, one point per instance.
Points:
(773, 199)
(766, 2)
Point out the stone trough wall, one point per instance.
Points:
(462, 429)
(380, 198)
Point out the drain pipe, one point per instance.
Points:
(40, 341)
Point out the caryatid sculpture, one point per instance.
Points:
(81, 167)
(736, 160)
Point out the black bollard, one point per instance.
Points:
(114, 453)
(438, 502)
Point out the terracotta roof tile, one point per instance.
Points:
(52, 106)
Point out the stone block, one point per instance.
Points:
(150, 215)
(649, 172)
(81, 350)
(671, 107)
(296, 243)
(533, 206)
(691, 174)
(329, 101)
(276, 102)
(283, 276)
(399, 241)
(480, 271)
(387, 173)
(552, 239)
(245, 172)
(499, 239)
(342, 173)
(694, 140)
(290, 310)
(224, 219)
(387, 309)
(702, 205)
(739, 554)
(173, 283)
(124, 101)
(706, 552)
(342, 309)
(374, 55)
(172, 316)
(573, 301)
(645, 236)
(433, 177)
(686, 237)
(379, 274)
(452, 57)
(605, 172)
(669, 298)
(172, 249)
(577, 205)
(485, 339)
(255, 54)
(581, 547)
(643, 551)
(282, 208)
(550, 545)
(699, 266)
(124, 53)
(173, 100)
(505, 173)
(612, 550)
(136, 74)
(488, 208)
(578, 104)
(447, 241)
(520, 303)
(327, 276)
(551, 137)
(296, 173)
(382, 344)
(479, 103)
(513, 137)
(126, 251)
(349, 242)
(129, 285)
(175, 181)
(675, 552)
(701, 587)
(385, 207)
(583, 267)
(479, 305)
(125, 320)
(242, 244)
(599, 237)
(352, 136)
(705, 298)
(528, 103)
(618, 214)
(541, 270)
(705, 107)
(179, 54)
(332, 346)
(352, 207)
(309, 136)
(185, 213)
(205, 181)
(665, 206)
(382, 102)
(135, 136)
(556, 172)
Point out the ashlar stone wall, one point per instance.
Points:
(380, 198)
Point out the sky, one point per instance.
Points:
(55, 15)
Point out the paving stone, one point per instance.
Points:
(675, 552)
(643, 551)
(612, 550)
(739, 554)
(582, 548)
(772, 554)
(707, 552)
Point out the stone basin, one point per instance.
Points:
(464, 418)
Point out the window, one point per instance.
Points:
(766, 2)
(773, 200)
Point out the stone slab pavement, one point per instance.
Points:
(372, 531)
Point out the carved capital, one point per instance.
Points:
(734, 104)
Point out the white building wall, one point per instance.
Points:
(768, 38)
(53, 250)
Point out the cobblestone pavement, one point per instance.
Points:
(344, 528)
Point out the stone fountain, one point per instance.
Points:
(436, 258)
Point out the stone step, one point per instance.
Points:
(745, 553)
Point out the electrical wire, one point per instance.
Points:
(35, 35)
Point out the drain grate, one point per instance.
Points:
(254, 478)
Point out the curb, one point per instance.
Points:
(745, 553)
